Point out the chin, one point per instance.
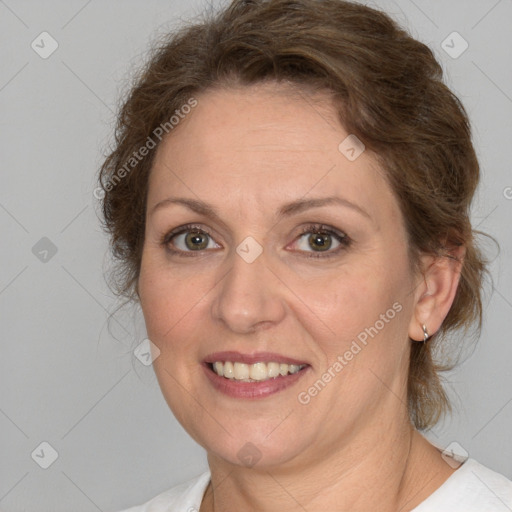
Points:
(246, 447)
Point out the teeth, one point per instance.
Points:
(219, 370)
(254, 372)
(273, 369)
(258, 371)
(241, 371)
(227, 369)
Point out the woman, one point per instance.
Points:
(289, 201)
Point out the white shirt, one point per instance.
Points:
(471, 488)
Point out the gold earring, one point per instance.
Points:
(425, 333)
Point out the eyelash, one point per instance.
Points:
(342, 238)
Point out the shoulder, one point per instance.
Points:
(472, 488)
(185, 497)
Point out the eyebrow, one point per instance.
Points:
(286, 210)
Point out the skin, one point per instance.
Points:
(247, 151)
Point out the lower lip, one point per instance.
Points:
(261, 389)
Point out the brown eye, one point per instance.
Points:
(317, 239)
(320, 241)
(196, 240)
(189, 239)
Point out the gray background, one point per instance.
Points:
(68, 381)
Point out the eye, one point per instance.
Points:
(322, 239)
(189, 239)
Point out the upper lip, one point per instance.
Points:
(257, 357)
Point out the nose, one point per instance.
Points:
(249, 297)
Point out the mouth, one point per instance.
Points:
(256, 372)
(252, 376)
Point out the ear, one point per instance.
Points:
(436, 292)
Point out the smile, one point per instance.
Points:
(253, 376)
(256, 372)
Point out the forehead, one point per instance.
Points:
(263, 144)
(279, 119)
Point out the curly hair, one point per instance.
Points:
(389, 92)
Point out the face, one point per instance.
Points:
(265, 244)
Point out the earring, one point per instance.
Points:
(425, 333)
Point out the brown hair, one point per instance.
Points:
(389, 92)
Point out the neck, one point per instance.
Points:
(397, 470)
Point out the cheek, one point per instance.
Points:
(166, 298)
(368, 351)
(366, 309)
(350, 299)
